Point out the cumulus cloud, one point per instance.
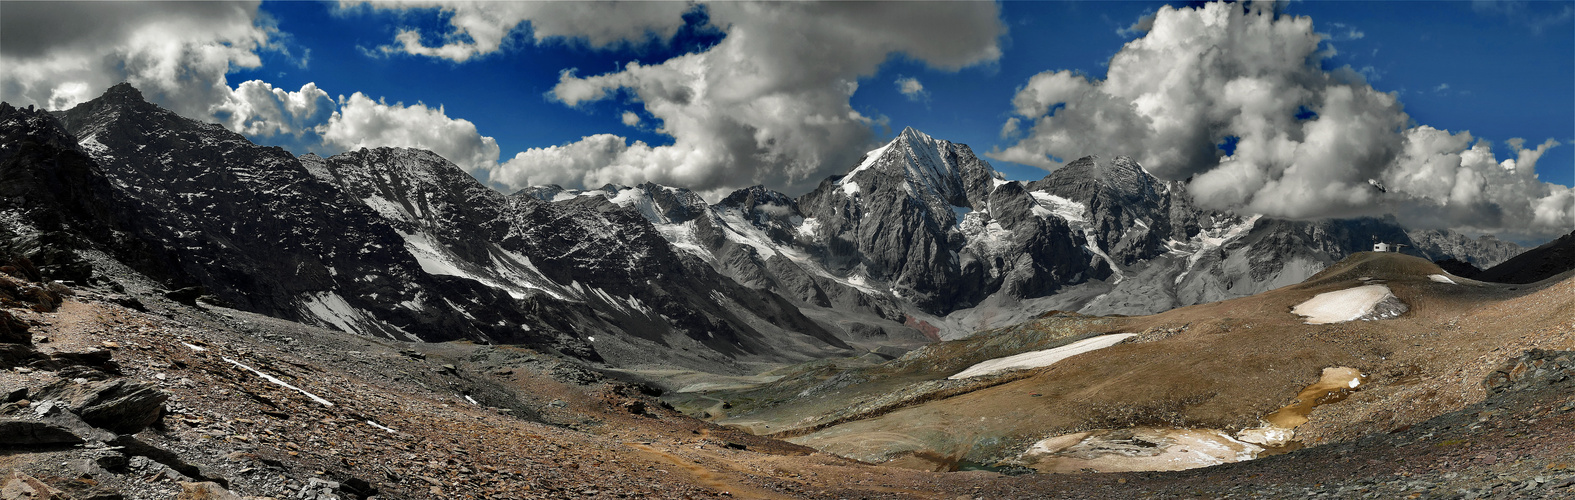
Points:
(769, 104)
(362, 122)
(1202, 75)
(257, 109)
(631, 119)
(481, 28)
(59, 54)
(592, 161)
(911, 87)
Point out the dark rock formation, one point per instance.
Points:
(119, 405)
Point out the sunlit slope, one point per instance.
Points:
(1220, 366)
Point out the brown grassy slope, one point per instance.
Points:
(1240, 359)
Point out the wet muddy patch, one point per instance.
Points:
(1166, 449)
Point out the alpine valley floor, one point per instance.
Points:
(1469, 393)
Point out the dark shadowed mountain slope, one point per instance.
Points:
(1551, 259)
(255, 228)
(391, 243)
(54, 199)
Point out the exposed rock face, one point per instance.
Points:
(895, 219)
(56, 429)
(119, 405)
(17, 432)
(1131, 211)
(13, 330)
(1483, 251)
(53, 198)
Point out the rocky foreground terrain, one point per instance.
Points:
(125, 390)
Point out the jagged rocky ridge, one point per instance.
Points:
(922, 238)
(924, 232)
(392, 243)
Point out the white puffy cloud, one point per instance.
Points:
(483, 27)
(1202, 75)
(769, 104)
(911, 87)
(592, 161)
(362, 122)
(256, 108)
(631, 118)
(59, 54)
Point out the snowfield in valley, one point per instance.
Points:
(1047, 357)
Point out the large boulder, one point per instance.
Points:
(119, 405)
(55, 429)
(19, 432)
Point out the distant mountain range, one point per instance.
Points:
(920, 241)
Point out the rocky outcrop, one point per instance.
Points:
(118, 405)
(47, 425)
(18, 432)
(1534, 370)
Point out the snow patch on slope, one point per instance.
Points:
(1344, 305)
(513, 273)
(1066, 209)
(1036, 359)
(1207, 240)
(332, 309)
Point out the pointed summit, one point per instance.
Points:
(1125, 177)
(91, 117)
(910, 134)
(123, 91)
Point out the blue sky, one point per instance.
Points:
(1322, 100)
(1504, 78)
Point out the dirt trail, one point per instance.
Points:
(707, 477)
